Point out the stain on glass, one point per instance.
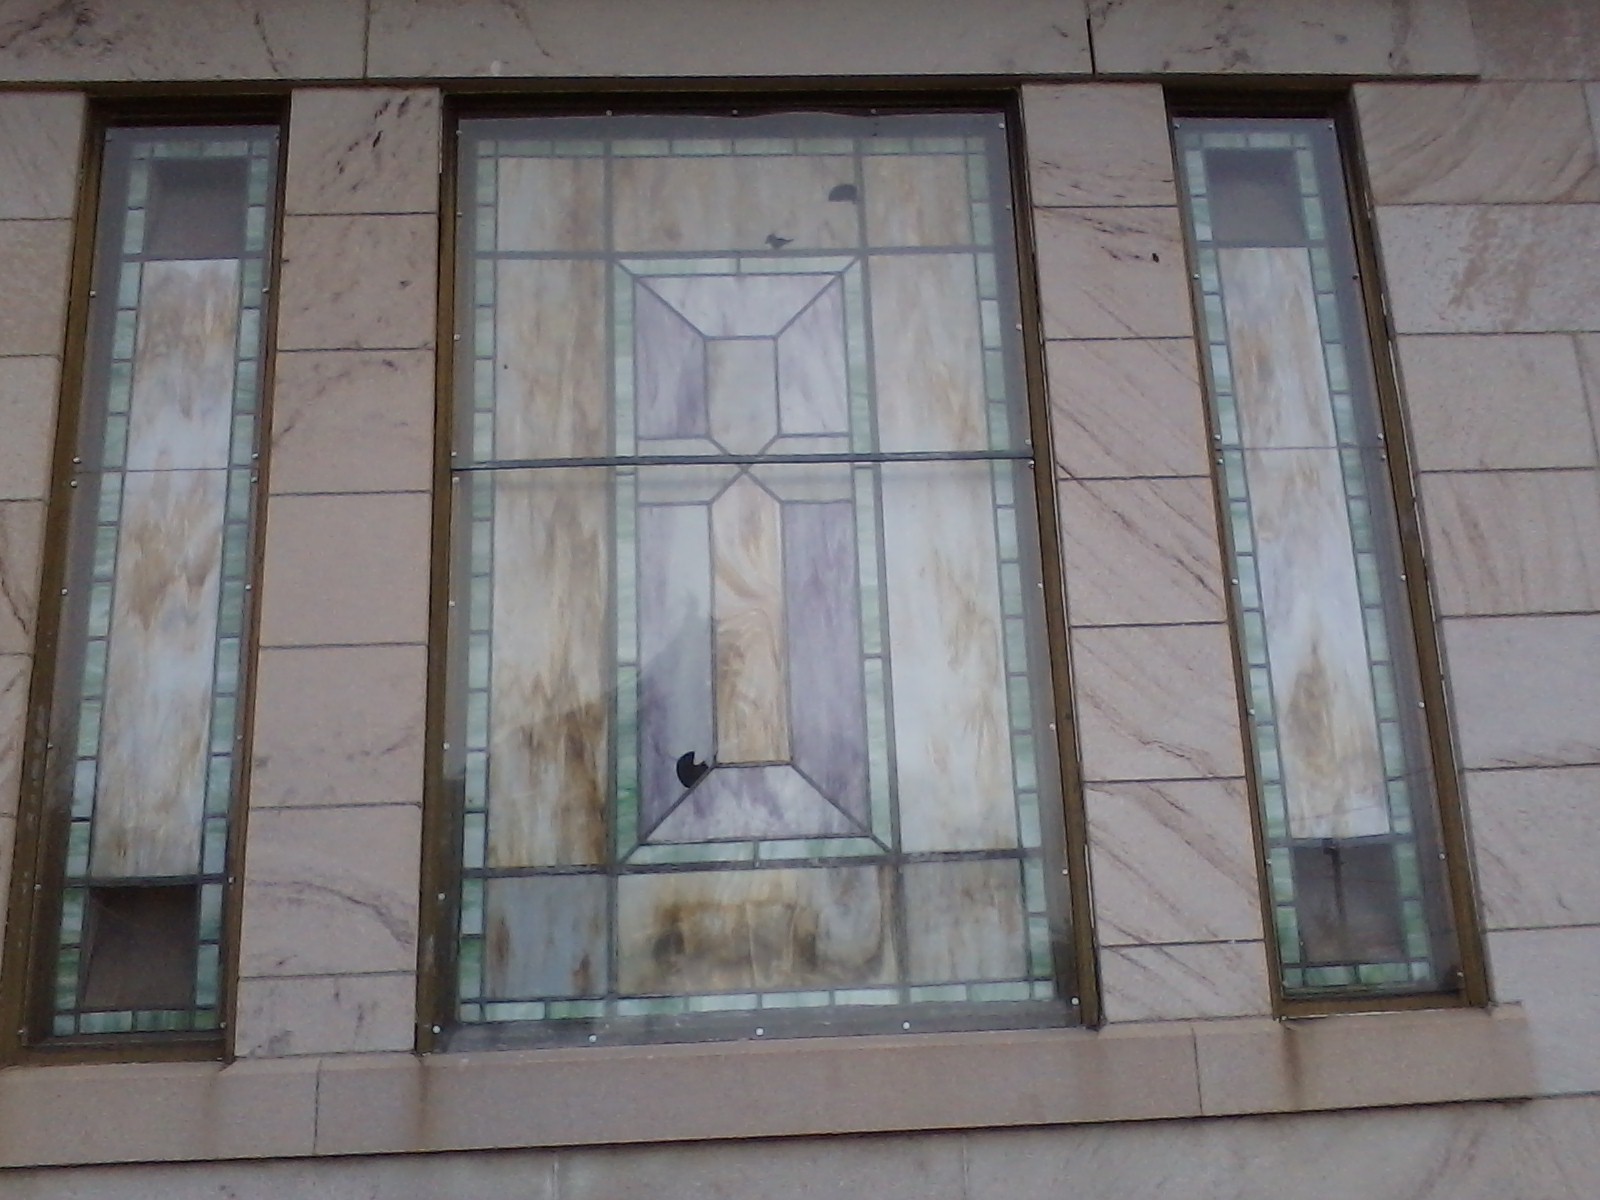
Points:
(146, 737)
(1342, 764)
(747, 657)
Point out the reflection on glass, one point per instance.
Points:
(749, 711)
(1343, 765)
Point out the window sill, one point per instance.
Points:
(401, 1103)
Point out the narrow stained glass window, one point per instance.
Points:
(749, 718)
(144, 753)
(1343, 763)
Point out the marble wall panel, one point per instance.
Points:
(21, 540)
(372, 150)
(358, 283)
(721, 38)
(1491, 269)
(346, 570)
(1589, 363)
(928, 355)
(1496, 402)
(551, 204)
(751, 652)
(41, 136)
(748, 930)
(1513, 541)
(964, 921)
(1140, 551)
(1533, 835)
(1480, 143)
(917, 200)
(28, 415)
(1157, 702)
(1318, 37)
(31, 318)
(15, 671)
(331, 891)
(1555, 973)
(338, 726)
(349, 1014)
(1557, 43)
(1184, 982)
(1127, 408)
(1098, 145)
(1112, 273)
(164, 40)
(352, 421)
(1525, 689)
(951, 728)
(1173, 861)
(156, 728)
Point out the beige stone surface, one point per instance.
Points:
(348, 1014)
(1514, 541)
(1555, 973)
(1501, 268)
(339, 725)
(1363, 1060)
(1112, 273)
(711, 38)
(1525, 689)
(1156, 703)
(1140, 551)
(172, 39)
(1173, 862)
(155, 1112)
(32, 318)
(1536, 39)
(1129, 407)
(15, 672)
(1534, 832)
(1589, 361)
(1496, 402)
(41, 136)
(346, 570)
(21, 538)
(28, 415)
(366, 150)
(358, 283)
(330, 890)
(1098, 145)
(1284, 37)
(8, 835)
(352, 421)
(1183, 982)
(1480, 143)
(600, 1095)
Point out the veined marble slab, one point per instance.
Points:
(732, 203)
(928, 353)
(744, 930)
(550, 204)
(917, 200)
(156, 722)
(180, 413)
(752, 673)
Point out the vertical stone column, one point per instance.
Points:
(1177, 917)
(329, 943)
(1488, 209)
(40, 151)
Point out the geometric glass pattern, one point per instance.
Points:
(1343, 766)
(142, 771)
(749, 712)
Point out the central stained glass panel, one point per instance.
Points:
(750, 695)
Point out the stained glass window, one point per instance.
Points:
(750, 718)
(144, 756)
(1343, 765)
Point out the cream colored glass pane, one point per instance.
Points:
(157, 717)
(741, 379)
(751, 655)
(917, 200)
(550, 368)
(739, 305)
(964, 920)
(929, 359)
(1277, 353)
(952, 737)
(741, 203)
(813, 389)
(551, 204)
(181, 411)
(550, 725)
